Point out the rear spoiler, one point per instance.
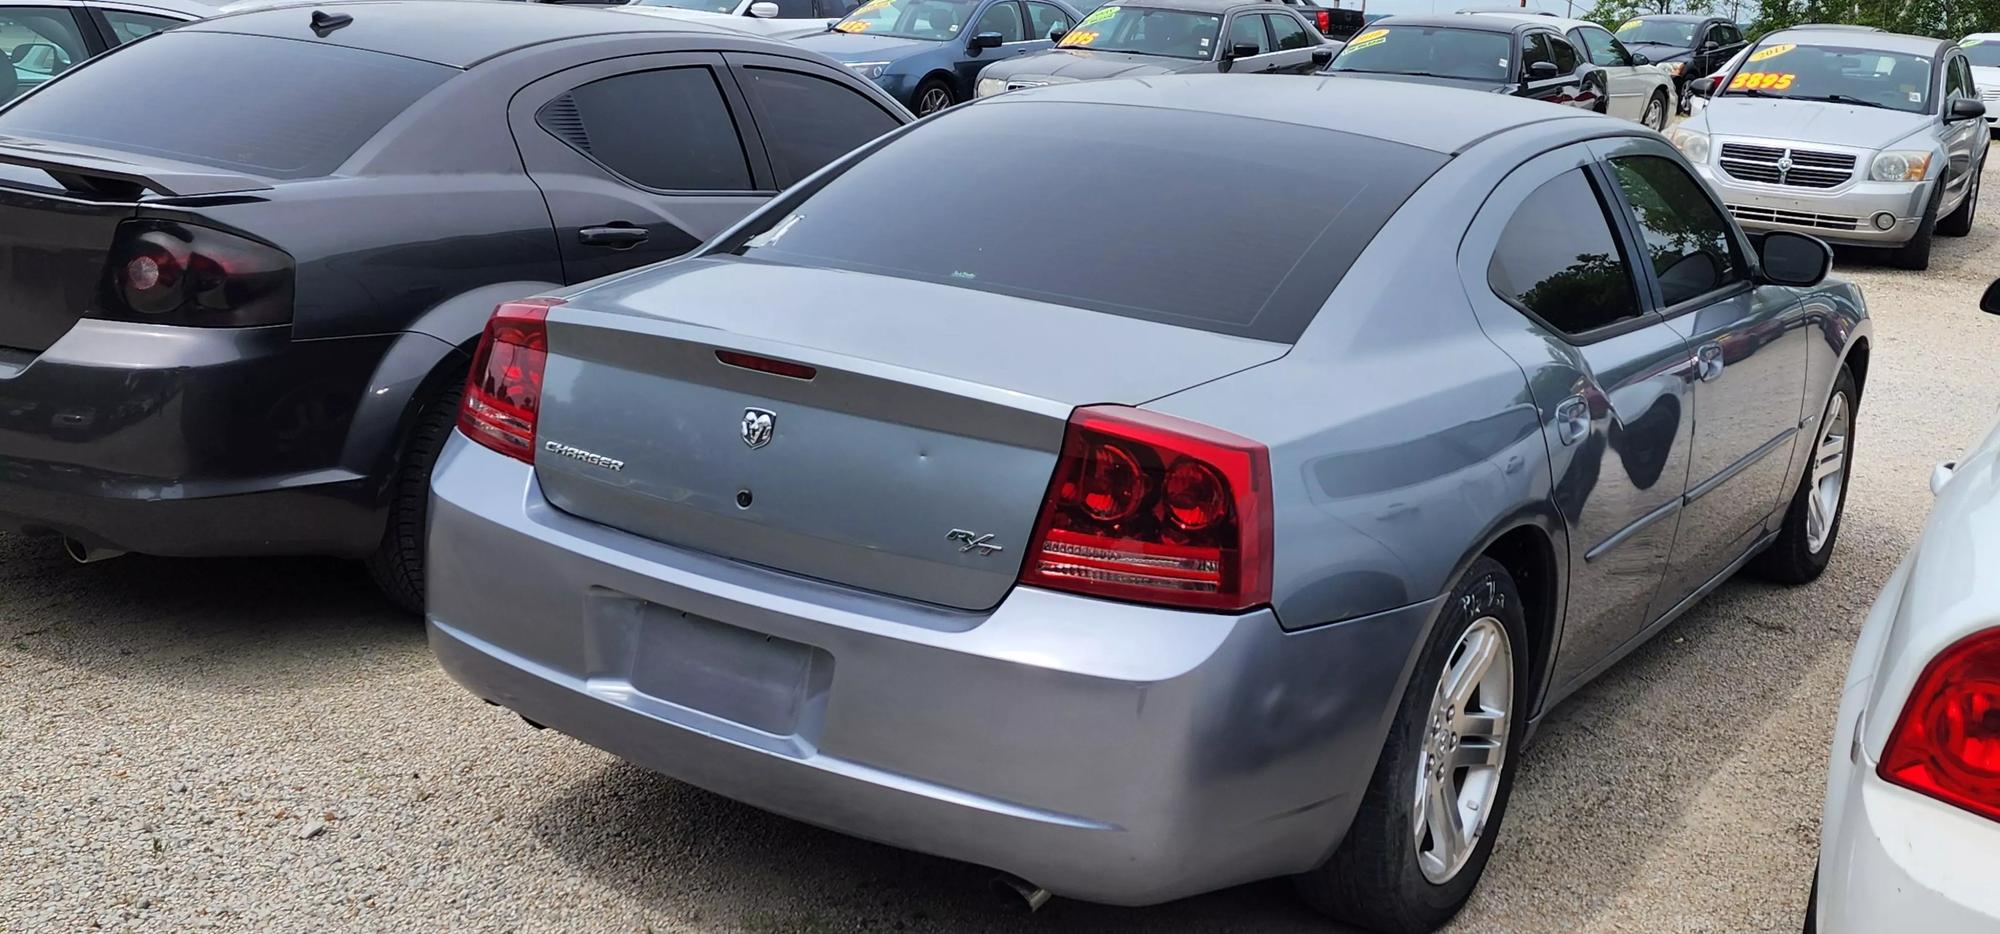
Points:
(104, 172)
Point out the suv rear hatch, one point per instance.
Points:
(917, 434)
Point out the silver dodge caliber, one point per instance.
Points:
(1862, 138)
(1162, 525)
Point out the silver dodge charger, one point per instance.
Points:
(1144, 522)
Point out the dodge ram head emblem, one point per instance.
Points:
(757, 427)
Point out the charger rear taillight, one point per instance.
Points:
(170, 272)
(1155, 509)
(1947, 742)
(503, 394)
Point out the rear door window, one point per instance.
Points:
(266, 107)
(808, 121)
(1564, 54)
(1191, 230)
(667, 129)
(40, 43)
(1005, 19)
(1535, 48)
(127, 26)
(1559, 262)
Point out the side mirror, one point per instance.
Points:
(1990, 302)
(1056, 33)
(1794, 259)
(985, 40)
(1705, 87)
(1639, 58)
(1710, 45)
(1322, 58)
(1542, 71)
(1965, 108)
(764, 9)
(1245, 50)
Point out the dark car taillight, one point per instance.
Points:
(504, 391)
(169, 272)
(1155, 509)
(1946, 744)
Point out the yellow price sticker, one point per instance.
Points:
(1761, 81)
(1098, 15)
(1367, 39)
(1630, 24)
(1771, 52)
(850, 25)
(1081, 37)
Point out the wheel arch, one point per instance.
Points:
(1856, 361)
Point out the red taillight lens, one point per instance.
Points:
(1155, 509)
(1947, 743)
(1325, 21)
(168, 272)
(504, 391)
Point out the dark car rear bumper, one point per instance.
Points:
(192, 441)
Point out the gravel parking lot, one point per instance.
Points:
(266, 745)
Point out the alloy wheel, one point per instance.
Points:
(1656, 114)
(934, 100)
(1829, 473)
(1464, 749)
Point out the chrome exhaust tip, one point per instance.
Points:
(85, 554)
(1021, 892)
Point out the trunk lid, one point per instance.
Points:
(932, 419)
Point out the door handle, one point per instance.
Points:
(617, 236)
(1708, 362)
(1572, 420)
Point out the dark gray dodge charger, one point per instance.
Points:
(1165, 37)
(1162, 529)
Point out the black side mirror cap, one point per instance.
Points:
(1245, 50)
(985, 40)
(1322, 58)
(1710, 46)
(1056, 33)
(1794, 259)
(1542, 71)
(1990, 302)
(1966, 108)
(1639, 58)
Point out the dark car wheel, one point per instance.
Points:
(398, 562)
(1916, 254)
(1812, 522)
(1425, 827)
(932, 96)
(1959, 223)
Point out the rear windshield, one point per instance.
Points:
(1438, 51)
(278, 108)
(1193, 219)
(1984, 52)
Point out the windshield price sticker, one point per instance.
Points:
(851, 25)
(1367, 39)
(1630, 25)
(1766, 54)
(1079, 38)
(1761, 81)
(1098, 15)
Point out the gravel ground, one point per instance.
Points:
(264, 745)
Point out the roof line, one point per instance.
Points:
(1011, 99)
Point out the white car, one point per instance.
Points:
(1911, 836)
(1640, 91)
(1982, 49)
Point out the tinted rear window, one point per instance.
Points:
(279, 108)
(1193, 219)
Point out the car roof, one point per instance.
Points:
(1477, 21)
(458, 33)
(1859, 39)
(1452, 119)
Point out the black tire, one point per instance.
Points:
(1373, 879)
(1791, 559)
(1657, 102)
(1959, 222)
(929, 93)
(1916, 254)
(398, 562)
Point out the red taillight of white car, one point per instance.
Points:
(1947, 743)
(1155, 509)
(503, 393)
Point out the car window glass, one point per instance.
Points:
(1688, 240)
(1003, 18)
(1564, 54)
(1955, 84)
(1473, 54)
(1260, 269)
(1534, 49)
(1044, 17)
(41, 42)
(1558, 260)
(1247, 28)
(1657, 31)
(1727, 35)
(250, 88)
(933, 20)
(668, 128)
(807, 121)
(794, 9)
(127, 26)
(1287, 32)
(1601, 48)
(1148, 31)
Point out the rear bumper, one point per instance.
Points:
(1843, 216)
(1108, 752)
(1902, 862)
(190, 441)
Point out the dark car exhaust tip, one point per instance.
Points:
(85, 554)
(1020, 892)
